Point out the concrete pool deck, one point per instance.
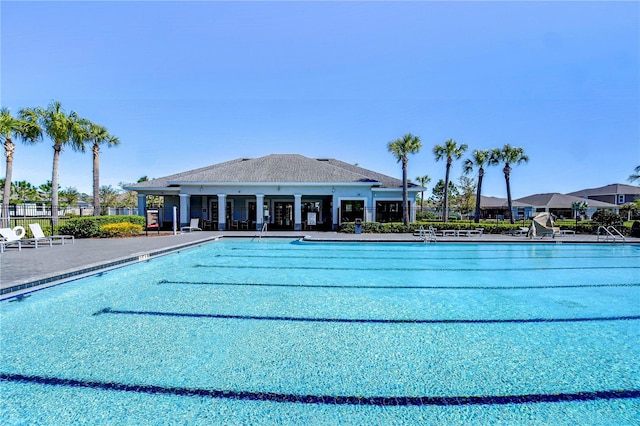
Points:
(31, 269)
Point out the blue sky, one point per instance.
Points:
(189, 84)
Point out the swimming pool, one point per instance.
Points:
(247, 332)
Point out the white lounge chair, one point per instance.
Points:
(38, 234)
(14, 236)
(193, 226)
(9, 238)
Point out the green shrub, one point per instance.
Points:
(426, 216)
(607, 218)
(89, 226)
(122, 229)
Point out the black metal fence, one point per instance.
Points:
(47, 216)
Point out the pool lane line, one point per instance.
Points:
(364, 320)
(545, 268)
(401, 287)
(420, 258)
(615, 394)
(420, 247)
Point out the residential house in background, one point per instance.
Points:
(618, 194)
(561, 204)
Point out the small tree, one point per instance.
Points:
(108, 196)
(467, 198)
(438, 193)
(23, 191)
(70, 196)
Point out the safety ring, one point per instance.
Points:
(19, 231)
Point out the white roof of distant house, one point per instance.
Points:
(613, 189)
(276, 168)
(560, 201)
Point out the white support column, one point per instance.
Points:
(222, 212)
(184, 209)
(412, 210)
(142, 204)
(297, 212)
(336, 206)
(259, 211)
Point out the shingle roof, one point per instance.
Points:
(556, 200)
(497, 202)
(276, 168)
(613, 189)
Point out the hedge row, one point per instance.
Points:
(91, 226)
(488, 227)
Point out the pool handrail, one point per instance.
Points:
(607, 231)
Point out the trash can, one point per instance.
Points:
(358, 226)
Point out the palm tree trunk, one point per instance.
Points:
(96, 180)
(478, 195)
(9, 148)
(445, 208)
(507, 174)
(405, 193)
(54, 183)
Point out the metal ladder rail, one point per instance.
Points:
(432, 234)
(615, 230)
(607, 234)
(427, 235)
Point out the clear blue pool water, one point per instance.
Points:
(283, 332)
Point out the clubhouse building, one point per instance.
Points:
(285, 191)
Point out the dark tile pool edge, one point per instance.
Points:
(53, 280)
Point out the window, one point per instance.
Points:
(620, 198)
(389, 211)
(352, 210)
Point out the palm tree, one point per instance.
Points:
(98, 135)
(27, 130)
(579, 207)
(508, 155)
(401, 148)
(479, 159)
(64, 130)
(636, 176)
(449, 150)
(423, 181)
